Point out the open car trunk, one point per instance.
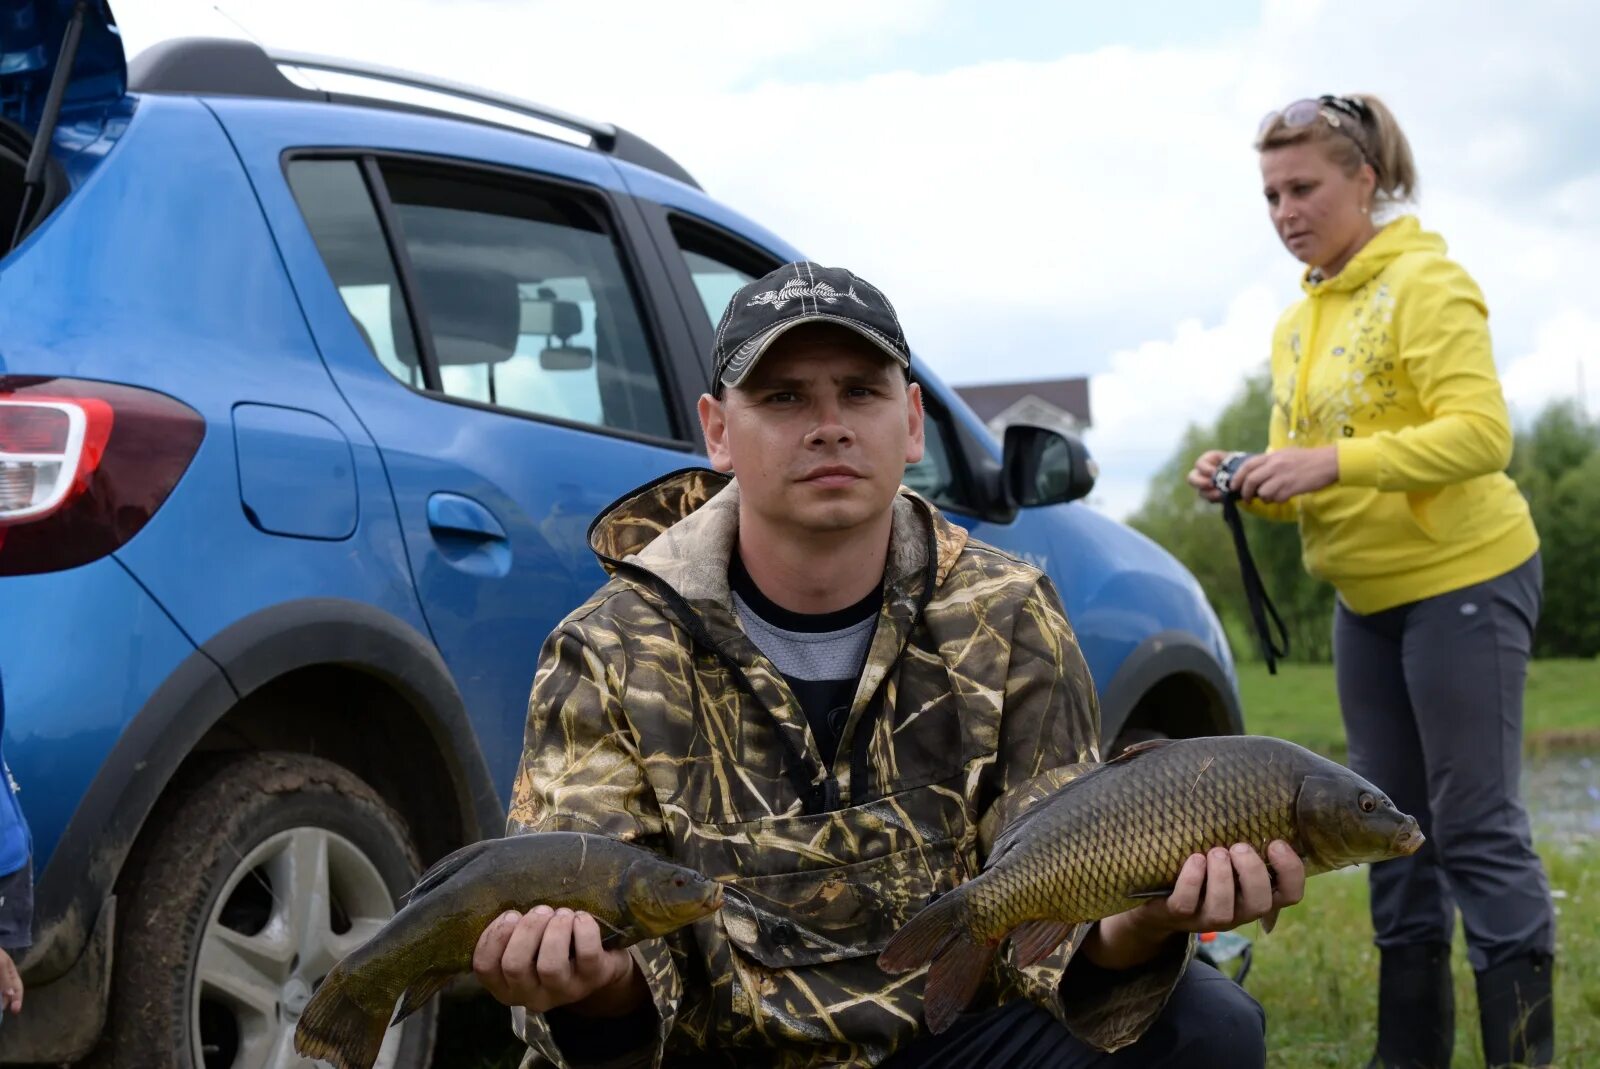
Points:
(61, 61)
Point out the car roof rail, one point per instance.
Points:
(227, 66)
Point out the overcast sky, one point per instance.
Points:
(1055, 188)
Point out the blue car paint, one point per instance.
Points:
(83, 651)
(283, 451)
(213, 292)
(192, 301)
(488, 615)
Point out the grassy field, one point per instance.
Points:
(1300, 703)
(1316, 974)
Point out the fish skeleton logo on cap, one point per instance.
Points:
(794, 289)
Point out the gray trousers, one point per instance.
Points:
(1431, 695)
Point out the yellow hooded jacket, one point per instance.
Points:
(1390, 361)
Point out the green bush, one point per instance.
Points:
(1556, 464)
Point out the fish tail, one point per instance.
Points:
(338, 1029)
(941, 934)
(953, 979)
(921, 938)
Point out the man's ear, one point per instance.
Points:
(714, 426)
(915, 423)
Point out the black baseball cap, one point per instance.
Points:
(801, 292)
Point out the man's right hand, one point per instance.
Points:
(10, 984)
(547, 958)
(1204, 470)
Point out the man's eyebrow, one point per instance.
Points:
(872, 376)
(760, 383)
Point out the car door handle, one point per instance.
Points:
(462, 517)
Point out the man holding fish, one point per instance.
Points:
(804, 683)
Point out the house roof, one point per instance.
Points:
(988, 400)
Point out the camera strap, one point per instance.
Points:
(1255, 593)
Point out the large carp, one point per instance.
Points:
(632, 893)
(1119, 835)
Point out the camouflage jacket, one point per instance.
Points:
(654, 719)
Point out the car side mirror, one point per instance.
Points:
(1045, 467)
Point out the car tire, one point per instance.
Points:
(212, 962)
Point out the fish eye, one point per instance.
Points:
(1368, 803)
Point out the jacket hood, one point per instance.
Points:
(682, 528)
(1398, 237)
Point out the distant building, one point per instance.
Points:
(1062, 404)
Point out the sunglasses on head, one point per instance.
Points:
(1336, 110)
(1305, 112)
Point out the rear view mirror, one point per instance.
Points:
(567, 358)
(1045, 467)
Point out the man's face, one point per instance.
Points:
(819, 434)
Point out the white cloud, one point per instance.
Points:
(1097, 212)
(1151, 394)
(1564, 364)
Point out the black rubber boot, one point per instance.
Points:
(1516, 1011)
(1416, 1008)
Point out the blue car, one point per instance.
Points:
(307, 399)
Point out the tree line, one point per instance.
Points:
(1556, 465)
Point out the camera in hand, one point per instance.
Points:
(1223, 479)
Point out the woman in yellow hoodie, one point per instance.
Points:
(1388, 445)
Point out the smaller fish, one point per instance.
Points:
(1119, 835)
(632, 893)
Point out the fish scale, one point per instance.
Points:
(1121, 833)
(1206, 793)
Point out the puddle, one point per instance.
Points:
(1562, 793)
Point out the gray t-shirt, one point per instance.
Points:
(820, 655)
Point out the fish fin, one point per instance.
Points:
(336, 1028)
(1154, 892)
(1032, 940)
(953, 979)
(421, 990)
(445, 868)
(1269, 922)
(1141, 748)
(922, 937)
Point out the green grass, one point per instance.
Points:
(1316, 974)
(1300, 703)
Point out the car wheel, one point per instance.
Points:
(252, 879)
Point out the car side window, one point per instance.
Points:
(717, 265)
(522, 292)
(715, 282)
(338, 210)
(936, 476)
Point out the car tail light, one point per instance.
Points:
(83, 467)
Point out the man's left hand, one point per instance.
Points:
(1286, 473)
(1225, 889)
(1215, 892)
